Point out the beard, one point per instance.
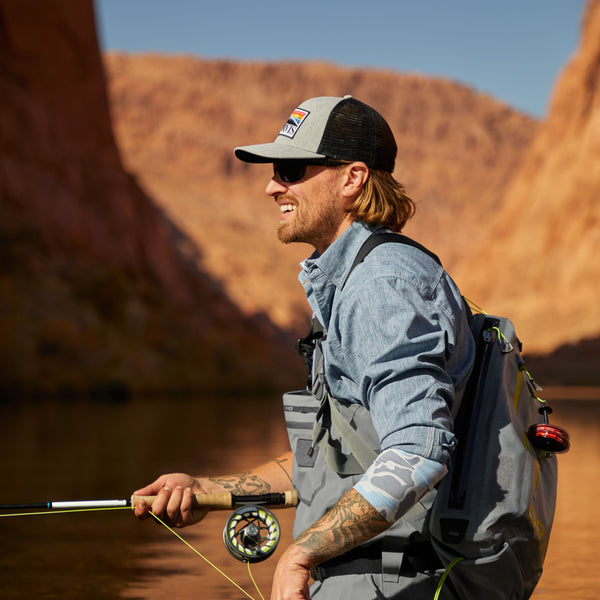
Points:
(314, 222)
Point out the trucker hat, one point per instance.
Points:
(329, 127)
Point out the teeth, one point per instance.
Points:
(286, 207)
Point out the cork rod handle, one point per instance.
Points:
(227, 501)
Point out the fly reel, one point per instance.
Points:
(546, 437)
(251, 533)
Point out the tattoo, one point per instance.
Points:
(257, 481)
(245, 482)
(349, 523)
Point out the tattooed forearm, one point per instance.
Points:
(349, 523)
(245, 482)
(272, 476)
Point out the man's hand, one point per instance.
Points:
(173, 502)
(350, 522)
(174, 492)
(292, 574)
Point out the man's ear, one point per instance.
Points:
(355, 177)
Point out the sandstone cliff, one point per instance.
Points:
(513, 223)
(177, 120)
(172, 276)
(96, 291)
(548, 271)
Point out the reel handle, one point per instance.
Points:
(227, 501)
(548, 438)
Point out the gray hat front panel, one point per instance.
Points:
(308, 134)
(299, 138)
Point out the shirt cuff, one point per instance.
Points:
(397, 480)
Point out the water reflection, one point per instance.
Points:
(569, 571)
(68, 450)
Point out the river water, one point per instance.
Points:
(54, 450)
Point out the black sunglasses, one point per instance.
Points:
(291, 171)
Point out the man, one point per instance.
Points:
(393, 361)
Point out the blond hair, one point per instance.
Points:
(383, 201)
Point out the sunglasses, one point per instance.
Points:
(291, 171)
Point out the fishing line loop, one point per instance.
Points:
(196, 551)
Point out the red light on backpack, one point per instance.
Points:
(548, 438)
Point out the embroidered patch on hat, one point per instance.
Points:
(294, 121)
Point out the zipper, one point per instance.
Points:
(468, 415)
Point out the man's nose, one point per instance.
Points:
(275, 187)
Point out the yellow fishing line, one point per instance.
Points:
(76, 510)
(253, 581)
(438, 591)
(209, 562)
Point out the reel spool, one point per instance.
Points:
(546, 437)
(251, 533)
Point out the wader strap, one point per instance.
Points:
(392, 556)
(419, 557)
(361, 454)
(394, 548)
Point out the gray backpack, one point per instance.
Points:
(491, 519)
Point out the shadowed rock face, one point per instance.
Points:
(96, 292)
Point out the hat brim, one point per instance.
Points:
(267, 153)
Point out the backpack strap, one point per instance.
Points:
(361, 454)
(380, 238)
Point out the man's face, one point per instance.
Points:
(312, 209)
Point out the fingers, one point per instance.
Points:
(173, 506)
(179, 508)
(189, 516)
(172, 503)
(185, 506)
(173, 516)
(141, 510)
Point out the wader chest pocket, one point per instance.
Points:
(305, 457)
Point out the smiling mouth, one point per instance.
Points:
(287, 208)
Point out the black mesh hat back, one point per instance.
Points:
(355, 131)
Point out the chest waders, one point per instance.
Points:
(334, 443)
(491, 516)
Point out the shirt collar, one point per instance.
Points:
(336, 261)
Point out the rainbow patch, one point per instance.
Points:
(293, 123)
(298, 116)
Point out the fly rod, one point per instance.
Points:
(68, 505)
(251, 532)
(222, 501)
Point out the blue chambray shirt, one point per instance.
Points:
(398, 340)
